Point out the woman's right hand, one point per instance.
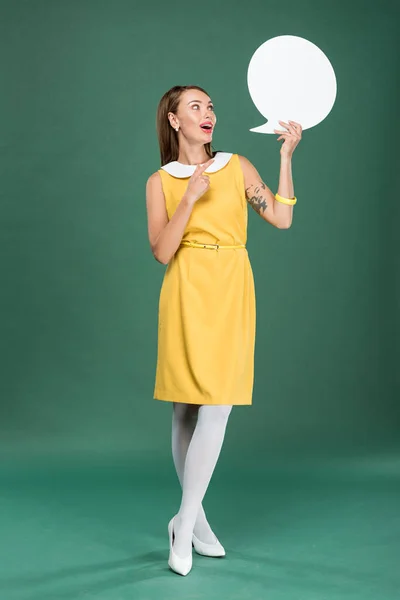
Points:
(198, 183)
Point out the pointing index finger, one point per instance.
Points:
(203, 166)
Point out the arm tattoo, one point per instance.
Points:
(257, 200)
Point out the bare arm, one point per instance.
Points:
(262, 199)
(164, 235)
(284, 212)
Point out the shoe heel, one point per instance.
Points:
(182, 566)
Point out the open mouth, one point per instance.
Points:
(207, 128)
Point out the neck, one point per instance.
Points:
(192, 155)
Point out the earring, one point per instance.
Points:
(176, 128)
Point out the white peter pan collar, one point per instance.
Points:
(178, 169)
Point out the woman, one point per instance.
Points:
(197, 224)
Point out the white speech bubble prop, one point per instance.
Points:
(291, 78)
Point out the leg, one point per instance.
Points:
(201, 458)
(184, 420)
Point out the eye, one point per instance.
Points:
(210, 106)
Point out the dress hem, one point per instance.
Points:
(174, 397)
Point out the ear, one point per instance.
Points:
(172, 118)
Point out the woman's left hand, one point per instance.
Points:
(291, 137)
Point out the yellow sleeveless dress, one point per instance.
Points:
(207, 308)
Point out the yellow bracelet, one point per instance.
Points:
(289, 201)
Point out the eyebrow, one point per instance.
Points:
(199, 101)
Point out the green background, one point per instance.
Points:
(80, 84)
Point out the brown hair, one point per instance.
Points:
(167, 136)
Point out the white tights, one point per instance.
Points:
(197, 436)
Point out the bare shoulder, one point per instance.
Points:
(157, 215)
(154, 178)
(243, 160)
(154, 187)
(250, 174)
(247, 167)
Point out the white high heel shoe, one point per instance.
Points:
(182, 566)
(214, 550)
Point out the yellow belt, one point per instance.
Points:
(209, 246)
